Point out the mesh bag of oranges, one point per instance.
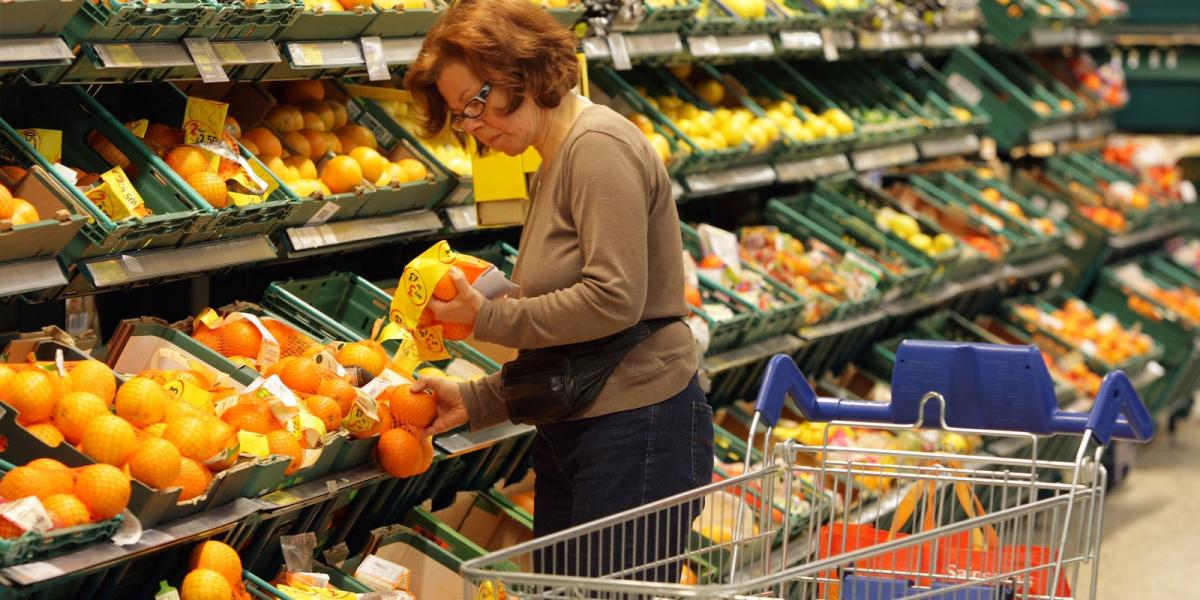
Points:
(427, 277)
(47, 508)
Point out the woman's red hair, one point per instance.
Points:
(511, 44)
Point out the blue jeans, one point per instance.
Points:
(593, 468)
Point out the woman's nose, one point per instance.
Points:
(472, 126)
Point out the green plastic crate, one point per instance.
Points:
(61, 215)
(803, 14)
(659, 19)
(138, 20)
(622, 86)
(333, 25)
(406, 22)
(856, 200)
(929, 89)
(165, 104)
(258, 20)
(1028, 243)
(1012, 21)
(27, 18)
(735, 98)
(720, 20)
(65, 109)
(974, 180)
(950, 208)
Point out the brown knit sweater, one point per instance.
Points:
(600, 251)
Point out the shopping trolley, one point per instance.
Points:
(890, 522)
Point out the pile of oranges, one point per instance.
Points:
(1109, 218)
(214, 573)
(16, 210)
(307, 141)
(70, 497)
(1102, 336)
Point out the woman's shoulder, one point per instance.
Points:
(602, 126)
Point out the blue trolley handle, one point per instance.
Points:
(974, 408)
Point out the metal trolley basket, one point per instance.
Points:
(889, 524)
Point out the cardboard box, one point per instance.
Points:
(61, 218)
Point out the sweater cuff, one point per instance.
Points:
(485, 321)
(485, 407)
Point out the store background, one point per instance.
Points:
(1036, 115)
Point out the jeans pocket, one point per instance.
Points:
(702, 443)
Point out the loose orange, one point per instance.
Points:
(286, 444)
(74, 411)
(66, 510)
(211, 187)
(297, 143)
(342, 174)
(313, 121)
(31, 394)
(6, 203)
(323, 111)
(371, 162)
(218, 557)
(307, 90)
(415, 169)
(340, 116)
(104, 489)
(156, 463)
(318, 143)
(205, 584)
(24, 213)
(265, 141)
(187, 160)
(232, 127)
(357, 135)
(109, 439)
(193, 480)
(303, 164)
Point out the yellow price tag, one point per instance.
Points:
(116, 195)
(204, 121)
(190, 393)
(138, 128)
(47, 142)
(254, 444)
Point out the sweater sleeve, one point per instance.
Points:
(483, 401)
(609, 202)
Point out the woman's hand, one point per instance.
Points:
(451, 412)
(464, 307)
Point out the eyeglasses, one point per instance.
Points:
(473, 109)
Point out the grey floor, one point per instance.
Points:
(1152, 523)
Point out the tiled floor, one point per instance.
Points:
(1152, 523)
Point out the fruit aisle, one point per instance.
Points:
(206, 208)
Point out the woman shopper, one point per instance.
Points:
(600, 255)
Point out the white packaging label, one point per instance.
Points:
(382, 575)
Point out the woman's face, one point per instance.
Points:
(510, 134)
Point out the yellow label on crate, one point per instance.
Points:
(253, 444)
(203, 121)
(116, 196)
(138, 128)
(190, 393)
(47, 142)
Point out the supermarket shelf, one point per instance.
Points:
(318, 490)
(949, 146)
(20, 53)
(731, 46)
(800, 41)
(1034, 269)
(1095, 128)
(359, 233)
(1052, 37)
(347, 53)
(886, 41)
(825, 330)
(784, 344)
(812, 168)
(99, 556)
(153, 55)
(30, 276)
(729, 180)
(153, 265)
(886, 156)
(1148, 235)
(952, 38)
(465, 442)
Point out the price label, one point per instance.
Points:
(230, 54)
(116, 195)
(619, 52)
(47, 142)
(138, 128)
(372, 49)
(323, 215)
(120, 55)
(205, 58)
(829, 45)
(204, 121)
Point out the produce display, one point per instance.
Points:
(808, 266)
(1097, 336)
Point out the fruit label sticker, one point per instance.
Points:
(363, 416)
(282, 401)
(116, 196)
(189, 393)
(387, 379)
(203, 121)
(253, 444)
(47, 142)
(308, 429)
(254, 181)
(27, 514)
(138, 128)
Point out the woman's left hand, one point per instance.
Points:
(464, 307)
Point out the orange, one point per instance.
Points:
(400, 453)
(187, 160)
(340, 116)
(66, 510)
(342, 174)
(232, 127)
(31, 394)
(341, 391)
(297, 144)
(205, 584)
(193, 480)
(61, 383)
(250, 146)
(24, 213)
(190, 435)
(142, 402)
(40, 481)
(104, 489)
(299, 92)
(211, 187)
(323, 111)
(6, 203)
(395, 174)
(285, 444)
(457, 331)
(414, 169)
(357, 136)
(74, 411)
(224, 442)
(326, 409)
(109, 439)
(416, 411)
(48, 433)
(48, 463)
(155, 430)
(354, 4)
(264, 140)
(254, 417)
(180, 410)
(333, 143)
(203, 334)
(371, 162)
(95, 377)
(368, 356)
(302, 375)
(239, 338)
(445, 290)
(6, 375)
(155, 463)
(218, 557)
(318, 143)
(313, 121)
(163, 136)
(303, 164)
(284, 118)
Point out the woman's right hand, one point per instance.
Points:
(451, 412)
